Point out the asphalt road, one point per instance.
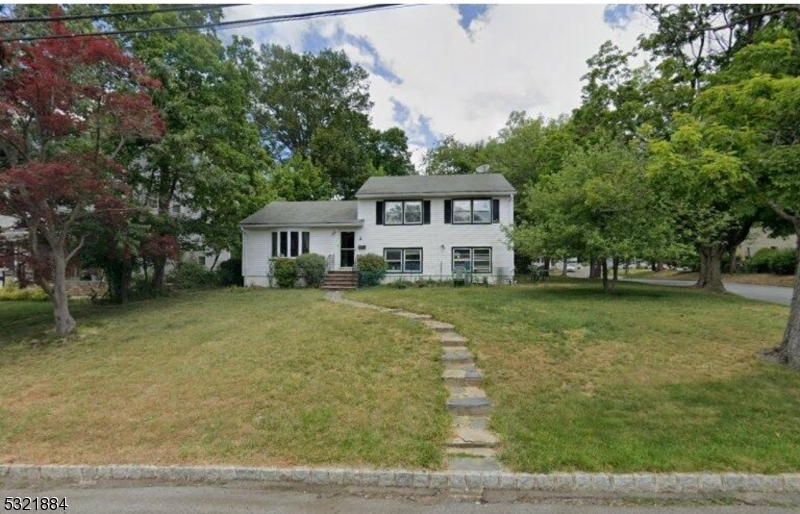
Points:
(221, 500)
(772, 294)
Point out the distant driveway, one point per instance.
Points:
(772, 294)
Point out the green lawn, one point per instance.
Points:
(646, 379)
(227, 377)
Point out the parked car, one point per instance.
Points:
(570, 268)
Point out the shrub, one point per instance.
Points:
(11, 291)
(760, 262)
(782, 262)
(371, 269)
(400, 283)
(311, 267)
(230, 273)
(285, 272)
(193, 275)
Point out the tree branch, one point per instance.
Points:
(739, 21)
(794, 220)
(76, 249)
(113, 155)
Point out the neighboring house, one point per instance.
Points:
(424, 226)
(205, 257)
(758, 238)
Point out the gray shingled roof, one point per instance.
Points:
(435, 185)
(305, 214)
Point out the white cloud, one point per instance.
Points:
(521, 57)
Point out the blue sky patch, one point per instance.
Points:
(315, 42)
(618, 15)
(418, 130)
(470, 13)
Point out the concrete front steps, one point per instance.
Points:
(340, 280)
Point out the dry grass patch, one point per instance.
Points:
(646, 379)
(224, 377)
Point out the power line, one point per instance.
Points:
(220, 25)
(70, 17)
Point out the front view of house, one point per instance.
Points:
(423, 226)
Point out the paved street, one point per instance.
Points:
(218, 500)
(773, 294)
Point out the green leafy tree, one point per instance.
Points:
(758, 101)
(599, 205)
(299, 180)
(210, 160)
(317, 107)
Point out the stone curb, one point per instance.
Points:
(580, 483)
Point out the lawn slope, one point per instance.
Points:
(225, 377)
(647, 379)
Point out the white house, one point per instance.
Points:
(424, 226)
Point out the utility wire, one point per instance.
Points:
(220, 25)
(70, 17)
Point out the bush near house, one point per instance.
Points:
(770, 260)
(311, 267)
(371, 269)
(230, 273)
(12, 291)
(193, 275)
(285, 272)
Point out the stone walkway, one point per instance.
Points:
(473, 445)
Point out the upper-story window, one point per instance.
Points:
(403, 212)
(472, 211)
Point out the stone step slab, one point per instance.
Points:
(468, 437)
(464, 463)
(456, 354)
(468, 401)
(439, 326)
(476, 453)
(413, 315)
(470, 376)
(451, 339)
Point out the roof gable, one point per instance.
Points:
(435, 185)
(305, 214)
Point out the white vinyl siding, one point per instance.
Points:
(438, 239)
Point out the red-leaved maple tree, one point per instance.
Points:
(67, 109)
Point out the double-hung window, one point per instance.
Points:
(474, 260)
(290, 243)
(403, 260)
(471, 211)
(403, 212)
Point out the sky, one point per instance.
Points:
(438, 70)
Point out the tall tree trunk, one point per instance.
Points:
(65, 323)
(125, 282)
(711, 268)
(547, 263)
(627, 266)
(606, 283)
(733, 263)
(158, 273)
(616, 268)
(564, 267)
(789, 350)
(593, 268)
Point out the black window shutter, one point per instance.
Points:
(448, 211)
(379, 213)
(426, 212)
(306, 242)
(274, 244)
(495, 211)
